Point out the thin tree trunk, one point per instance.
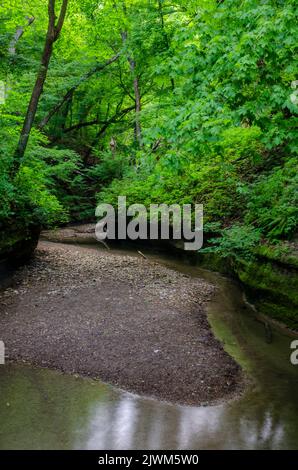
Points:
(18, 34)
(136, 87)
(137, 93)
(65, 113)
(165, 35)
(12, 49)
(52, 36)
(138, 108)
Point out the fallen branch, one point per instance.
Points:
(105, 244)
(142, 254)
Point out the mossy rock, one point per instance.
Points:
(16, 245)
(273, 288)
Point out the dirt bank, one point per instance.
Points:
(126, 320)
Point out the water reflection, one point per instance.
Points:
(113, 424)
(136, 423)
(42, 409)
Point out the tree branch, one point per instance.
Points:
(106, 123)
(61, 19)
(78, 126)
(37, 90)
(69, 93)
(51, 14)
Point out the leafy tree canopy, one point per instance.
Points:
(182, 101)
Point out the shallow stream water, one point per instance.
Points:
(43, 409)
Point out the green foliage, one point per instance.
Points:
(236, 242)
(26, 200)
(226, 131)
(272, 202)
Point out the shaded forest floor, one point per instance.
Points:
(125, 320)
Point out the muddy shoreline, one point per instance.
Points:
(125, 320)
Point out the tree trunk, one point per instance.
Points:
(137, 93)
(18, 34)
(52, 35)
(138, 130)
(165, 35)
